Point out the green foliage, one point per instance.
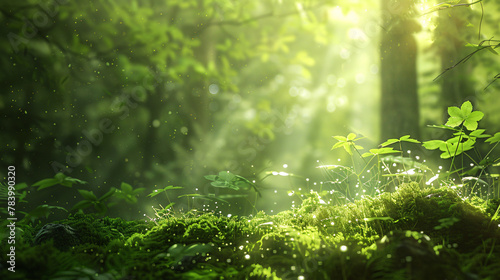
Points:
(228, 180)
(354, 240)
(348, 143)
(42, 211)
(59, 179)
(462, 141)
(405, 138)
(464, 115)
(381, 151)
(128, 193)
(100, 204)
(164, 190)
(460, 120)
(463, 122)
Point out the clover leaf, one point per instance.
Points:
(464, 115)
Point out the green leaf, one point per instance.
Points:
(492, 50)
(211, 177)
(443, 126)
(155, 192)
(60, 179)
(475, 116)
(101, 208)
(340, 138)
(158, 191)
(471, 121)
(433, 144)
(351, 136)
(45, 183)
(126, 188)
(407, 138)
(108, 194)
(21, 186)
(494, 139)
(348, 149)
(465, 109)
(88, 195)
(381, 151)
(454, 111)
(453, 148)
(389, 142)
(454, 121)
(479, 133)
(138, 191)
(464, 115)
(338, 144)
(226, 176)
(42, 211)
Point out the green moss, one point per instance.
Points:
(317, 241)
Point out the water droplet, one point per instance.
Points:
(343, 248)
(345, 53)
(360, 78)
(213, 89)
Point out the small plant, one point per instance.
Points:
(373, 172)
(128, 193)
(232, 183)
(228, 180)
(463, 122)
(164, 211)
(90, 199)
(59, 179)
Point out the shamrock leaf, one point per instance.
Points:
(464, 115)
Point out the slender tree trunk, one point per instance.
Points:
(398, 53)
(451, 35)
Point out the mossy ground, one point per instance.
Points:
(407, 234)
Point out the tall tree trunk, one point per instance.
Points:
(398, 53)
(452, 34)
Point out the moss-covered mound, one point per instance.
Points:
(408, 234)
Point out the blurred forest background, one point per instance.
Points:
(157, 93)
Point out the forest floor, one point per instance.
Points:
(407, 234)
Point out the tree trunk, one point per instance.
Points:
(398, 53)
(451, 35)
